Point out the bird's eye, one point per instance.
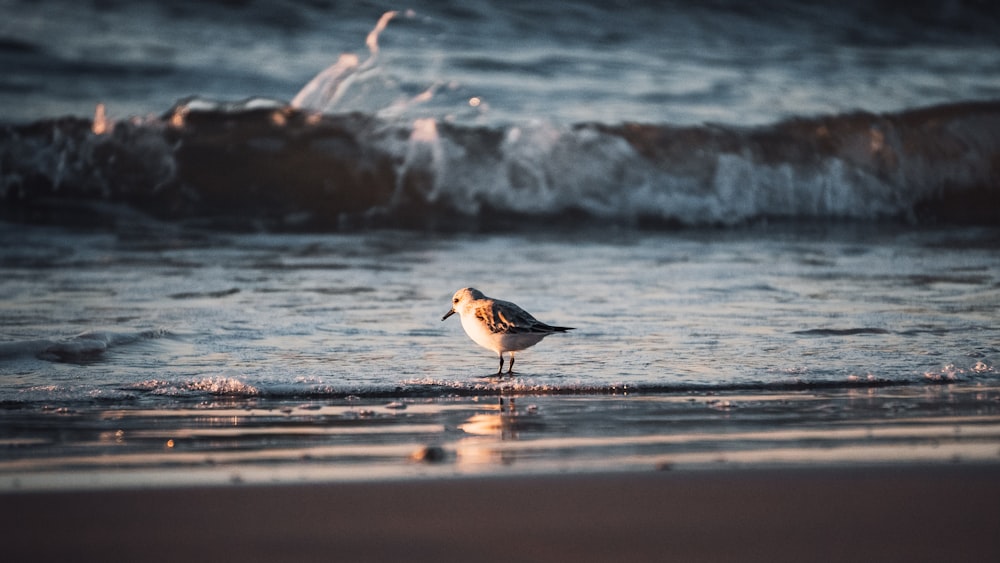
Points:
(455, 300)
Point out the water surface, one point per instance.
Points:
(265, 356)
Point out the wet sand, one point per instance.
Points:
(876, 514)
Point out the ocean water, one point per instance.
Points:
(775, 230)
(153, 357)
(568, 62)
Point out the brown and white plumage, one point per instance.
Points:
(498, 325)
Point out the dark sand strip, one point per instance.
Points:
(884, 514)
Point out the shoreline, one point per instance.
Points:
(907, 512)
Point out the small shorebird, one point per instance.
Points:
(498, 325)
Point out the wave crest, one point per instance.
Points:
(262, 163)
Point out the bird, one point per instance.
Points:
(498, 325)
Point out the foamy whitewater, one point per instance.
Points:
(228, 235)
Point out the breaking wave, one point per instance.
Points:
(264, 164)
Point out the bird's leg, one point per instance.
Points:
(500, 369)
(510, 368)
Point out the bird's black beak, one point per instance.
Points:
(448, 314)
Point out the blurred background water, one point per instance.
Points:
(568, 62)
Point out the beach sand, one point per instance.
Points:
(938, 513)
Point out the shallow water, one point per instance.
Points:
(174, 314)
(268, 356)
(246, 440)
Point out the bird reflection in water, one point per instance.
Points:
(506, 422)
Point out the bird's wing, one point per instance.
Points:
(507, 318)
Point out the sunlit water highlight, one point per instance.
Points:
(268, 441)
